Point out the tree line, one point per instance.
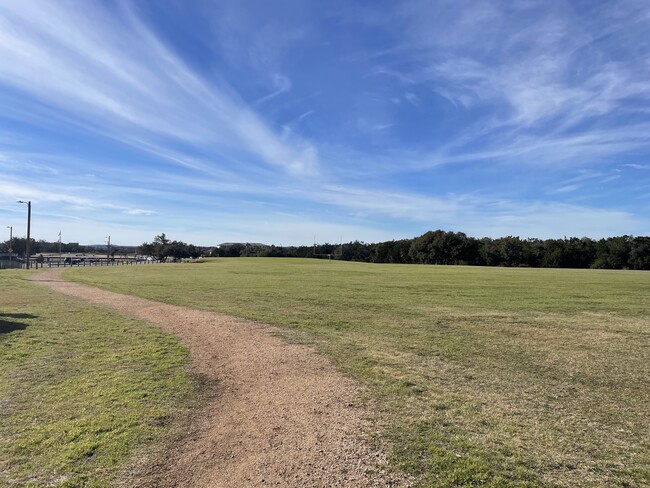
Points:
(162, 247)
(18, 246)
(433, 247)
(442, 247)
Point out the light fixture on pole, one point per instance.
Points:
(29, 223)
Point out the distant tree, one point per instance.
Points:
(422, 249)
(176, 249)
(533, 252)
(352, 251)
(578, 253)
(511, 251)
(230, 250)
(160, 242)
(471, 252)
(442, 247)
(640, 253)
(161, 239)
(553, 254)
(250, 251)
(20, 243)
(388, 252)
(613, 252)
(489, 252)
(456, 248)
(193, 251)
(146, 249)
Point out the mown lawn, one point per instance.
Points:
(82, 391)
(481, 376)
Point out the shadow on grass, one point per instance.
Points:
(7, 326)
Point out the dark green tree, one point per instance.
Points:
(613, 252)
(640, 253)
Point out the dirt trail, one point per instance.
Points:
(283, 415)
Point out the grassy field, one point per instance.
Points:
(482, 376)
(82, 390)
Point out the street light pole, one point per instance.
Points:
(11, 241)
(29, 223)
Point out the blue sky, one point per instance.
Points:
(282, 122)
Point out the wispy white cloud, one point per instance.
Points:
(19, 191)
(553, 220)
(576, 149)
(279, 130)
(134, 89)
(304, 114)
(74, 197)
(487, 216)
(540, 82)
(566, 189)
(365, 201)
(139, 211)
(540, 72)
(283, 85)
(370, 126)
(412, 98)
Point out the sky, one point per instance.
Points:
(289, 122)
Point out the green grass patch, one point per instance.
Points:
(482, 376)
(82, 390)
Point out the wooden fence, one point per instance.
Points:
(82, 262)
(37, 263)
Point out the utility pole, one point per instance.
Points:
(108, 249)
(59, 246)
(11, 241)
(29, 223)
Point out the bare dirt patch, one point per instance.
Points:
(282, 416)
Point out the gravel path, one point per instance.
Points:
(283, 415)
